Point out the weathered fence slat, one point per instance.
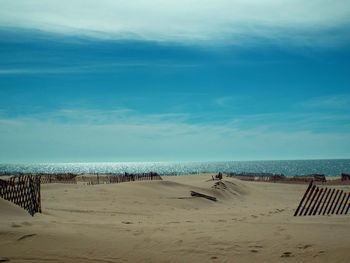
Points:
(341, 203)
(336, 203)
(328, 201)
(321, 199)
(347, 199)
(347, 209)
(307, 200)
(336, 194)
(325, 200)
(312, 199)
(316, 200)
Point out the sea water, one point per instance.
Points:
(290, 168)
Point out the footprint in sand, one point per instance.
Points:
(320, 253)
(127, 222)
(256, 246)
(276, 211)
(304, 246)
(287, 254)
(179, 242)
(288, 237)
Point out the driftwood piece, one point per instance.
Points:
(212, 198)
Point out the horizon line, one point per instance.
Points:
(115, 162)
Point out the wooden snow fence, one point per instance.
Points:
(132, 177)
(258, 177)
(281, 178)
(323, 201)
(120, 178)
(23, 191)
(58, 178)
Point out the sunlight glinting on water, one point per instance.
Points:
(289, 168)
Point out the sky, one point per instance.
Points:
(117, 81)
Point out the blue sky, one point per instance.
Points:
(177, 81)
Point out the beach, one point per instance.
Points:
(159, 221)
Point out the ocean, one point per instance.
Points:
(290, 168)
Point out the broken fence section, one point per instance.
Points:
(323, 201)
(23, 191)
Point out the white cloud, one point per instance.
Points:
(236, 21)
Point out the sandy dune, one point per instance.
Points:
(158, 221)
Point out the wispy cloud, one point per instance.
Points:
(332, 102)
(26, 71)
(122, 135)
(97, 67)
(223, 101)
(318, 122)
(188, 21)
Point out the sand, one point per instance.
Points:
(158, 221)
